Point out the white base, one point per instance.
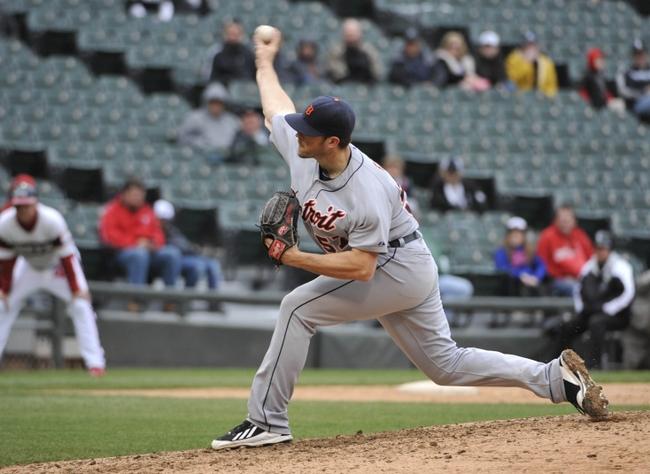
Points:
(427, 387)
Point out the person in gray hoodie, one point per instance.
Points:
(210, 129)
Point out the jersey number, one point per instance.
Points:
(403, 198)
(332, 245)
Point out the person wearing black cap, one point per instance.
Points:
(531, 69)
(414, 64)
(634, 83)
(603, 300)
(451, 191)
(374, 266)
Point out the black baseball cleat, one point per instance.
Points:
(579, 387)
(248, 434)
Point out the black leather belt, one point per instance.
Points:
(402, 241)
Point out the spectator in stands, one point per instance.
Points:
(489, 61)
(455, 66)
(130, 226)
(451, 191)
(594, 84)
(414, 64)
(210, 129)
(194, 265)
(450, 286)
(354, 59)
(306, 69)
(235, 60)
(395, 166)
(524, 270)
(564, 249)
(634, 83)
(603, 301)
(531, 69)
(249, 140)
(196, 7)
(162, 9)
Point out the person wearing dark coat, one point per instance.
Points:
(454, 66)
(594, 84)
(189, 7)
(235, 60)
(603, 301)
(489, 61)
(306, 69)
(634, 83)
(451, 191)
(414, 64)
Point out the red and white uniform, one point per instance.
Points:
(44, 257)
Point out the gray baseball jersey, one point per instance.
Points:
(362, 208)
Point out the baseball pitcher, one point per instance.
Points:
(375, 266)
(37, 253)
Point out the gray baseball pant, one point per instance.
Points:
(403, 295)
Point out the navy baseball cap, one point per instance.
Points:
(603, 239)
(326, 116)
(529, 37)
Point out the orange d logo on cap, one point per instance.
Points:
(309, 110)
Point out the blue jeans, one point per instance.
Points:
(138, 262)
(642, 106)
(564, 287)
(455, 287)
(193, 266)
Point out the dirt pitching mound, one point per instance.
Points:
(548, 444)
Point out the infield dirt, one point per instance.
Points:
(619, 394)
(549, 444)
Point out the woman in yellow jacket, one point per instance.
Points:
(528, 68)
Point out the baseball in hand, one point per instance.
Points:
(265, 33)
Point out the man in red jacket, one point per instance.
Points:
(564, 248)
(130, 226)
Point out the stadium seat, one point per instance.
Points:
(533, 147)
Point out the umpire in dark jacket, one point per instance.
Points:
(603, 301)
(451, 191)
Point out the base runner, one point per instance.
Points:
(375, 266)
(37, 253)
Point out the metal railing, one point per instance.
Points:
(108, 291)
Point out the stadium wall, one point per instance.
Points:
(182, 344)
